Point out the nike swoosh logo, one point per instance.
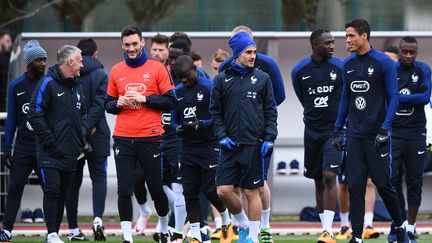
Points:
(384, 155)
(256, 182)
(156, 155)
(304, 78)
(212, 166)
(398, 78)
(350, 71)
(421, 152)
(334, 166)
(60, 94)
(228, 79)
(180, 98)
(20, 93)
(121, 79)
(382, 138)
(178, 177)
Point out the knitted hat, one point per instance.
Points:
(240, 42)
(32, 51)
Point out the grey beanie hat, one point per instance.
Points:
(33, 51)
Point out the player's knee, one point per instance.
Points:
(224, 192)
(329, 180)
(192, 203)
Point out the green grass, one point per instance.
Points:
(278, 239)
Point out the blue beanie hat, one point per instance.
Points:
(32, 51)
(240, 42)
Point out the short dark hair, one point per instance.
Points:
(392, 49)
(180, 36)
(131, 30)
(317, 34)
(87, 46)
(181, 45)
(195, 56)
(3, 33)
(160, 39)
(360, 25)
(408, 39)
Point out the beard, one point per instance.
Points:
(38, 72)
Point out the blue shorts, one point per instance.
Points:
(320, 155)
(242, 166)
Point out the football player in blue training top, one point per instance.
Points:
(200, 150)
(317, 81)
(409, 130)
(244, 113)
(368, 104)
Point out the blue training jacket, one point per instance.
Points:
(269, 66)
(414, 85)
(19, 94)
(369, 96)
(318, 86)
(193, 103)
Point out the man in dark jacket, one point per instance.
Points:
(58, 118)
(23, 161)
(244, 113)
(94, 83)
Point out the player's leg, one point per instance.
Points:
(344, 203)
(98, 175)
(125, 160)
(356, 175)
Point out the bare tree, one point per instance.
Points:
(297, 14)
(147, 13)
(9, 12)
(73, 13)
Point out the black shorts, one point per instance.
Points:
(171, 164)
(198, 168)
(411, 154)
(127, 154)
(320, 155)
(242, 166)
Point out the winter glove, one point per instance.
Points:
(7, 158)
(266, 149)
(338, 141)
(382, 138)
(226, 144)
(192, 125)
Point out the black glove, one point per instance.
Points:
(338, 140)
(192, 125)
(422, 88)
(181, 132)
(85, 150)
(7, 158)
(382, 138)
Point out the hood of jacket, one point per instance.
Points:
(90, 64)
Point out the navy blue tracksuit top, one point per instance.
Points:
(369, 96)
(193, 103)
(243, 107)
(19, 94)
(318, 86)
(414, 92)
(58, 117)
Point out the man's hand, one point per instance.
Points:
(266, 149)
(135, 96)
(338, 141)
(122, 102)
(382, 138)
(92, 131)
(226, 144)
(193, 125)
(85, 150)
(180, 131)
(7, 158)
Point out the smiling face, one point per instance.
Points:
(247, 58)
(75, 64)
(132, 45)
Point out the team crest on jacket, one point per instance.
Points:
(146, 76)
(200, 96)
(370, 71)
(253, 79)
(414, 78)
(333, 75)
